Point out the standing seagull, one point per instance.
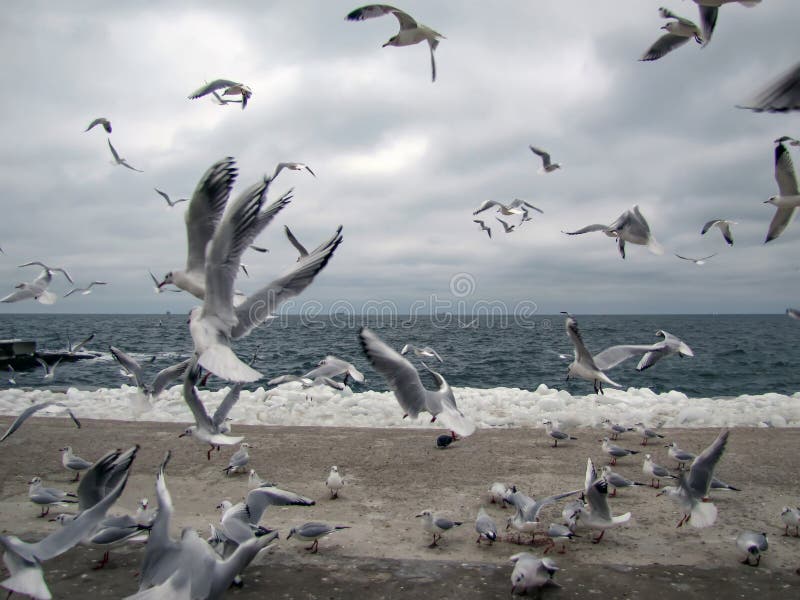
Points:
(231, 89)
(708, 13)
(404, 380)
(723, 225)
(583, 365)
(334, 482)
(554, 432)
(436, 525)
(239, 460)
(410, 32)
(485, 527)
(100, 121)
(73, 463)
(121, 161)
(752, 544)
(678, 33)
(788, 198)
(656, 472)
(630, 226)
(313, 532)
(547, 166)
(167, 198)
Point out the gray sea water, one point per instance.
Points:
(734, 354)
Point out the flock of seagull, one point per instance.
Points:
(219, 232)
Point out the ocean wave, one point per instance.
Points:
(499, 407)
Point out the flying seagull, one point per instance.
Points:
(723, 225)
(788, 198)
(300, 248)
(678, 33)
(508, 228)
(100, 121)
(85, 291)
(671, 344)
(231, 88)
(293, 166)
(697, 261)
(781, 95)
(166, 197)
(37, 289)
(483, 227)
(547, 166)
(410, 32)
(630, 226)
(583, 365)
(121, 161)
(708, 13)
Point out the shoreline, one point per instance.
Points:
(393, 474)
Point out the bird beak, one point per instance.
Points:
(419, 515)
(181, 435)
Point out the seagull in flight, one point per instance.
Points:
(410, 32)
(723, 225)
(678, 33)
(508, 228)
(698, 261)
(483, 227)
(547, 165)
(788, 198)
(293, 166)
(231, 88)
(166, 197)
(85, 291)
(121, 161)
(781, 95)
(671, 344)
(37, 289)
(708, 13)
(631, 226)
(583, 365)
(100, 121)
(300, 248)
(404, 380)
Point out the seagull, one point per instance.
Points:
(158, 286)
(678, 33)
(79, 346)
(615, 451)
(692, 490)
(646, 433)
(616, 480)
(121, 161)
(314, 531)
(12, 380)
(583, 365)
(531, 573)
(231, 89)
(100, 121)
(436, 525)
(556, 532)
(697, 261)
(789, 140)
(793, 313)
(485, 527)
(791, 518)
(515, 207)
(631, 226)
(238, 460)
(526, 518)
(217, 322)
(483, 227)
(171, 203)
(404, 380)
(679, 455)
(24, 559)
(209, 430)
(217, 99)
(254, 481)
(333, 366)
(499, 493)
(132, 368)
(656, 472)
(49, 370)
(187, 567)
(781, 95)
(293, 166)
(300, 248)
(443, 441)
(410, 32)
(554, 432)
(671, 344)
(508, 228)
(708, 13)
(752, 544)
(47, 497)
(37, 289)
(788, 198)
(334, 482)
(597, 515)
(547, 166)
(85, 291)
(426, 352)
(28, 412)
(615, 428)
(74, 463)
(724, 226)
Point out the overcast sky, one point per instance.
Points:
(401, 162)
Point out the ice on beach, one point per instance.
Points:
(290, 404)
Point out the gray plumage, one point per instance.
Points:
(485, 526)
(313, 532)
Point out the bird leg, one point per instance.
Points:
(613, 493)
(210, 450)
(433, 418)
(613, 461)
(102, 562)
(549, 547)
(77, 476)
(313, 547)
(555, 443)
(433, 543)
(44, 512)
(599, 537)
(683, 520)
(644, 441)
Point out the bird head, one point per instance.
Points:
(772, 200)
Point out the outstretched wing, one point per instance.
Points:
(261, 497)
(702, 470)
(217, 84)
